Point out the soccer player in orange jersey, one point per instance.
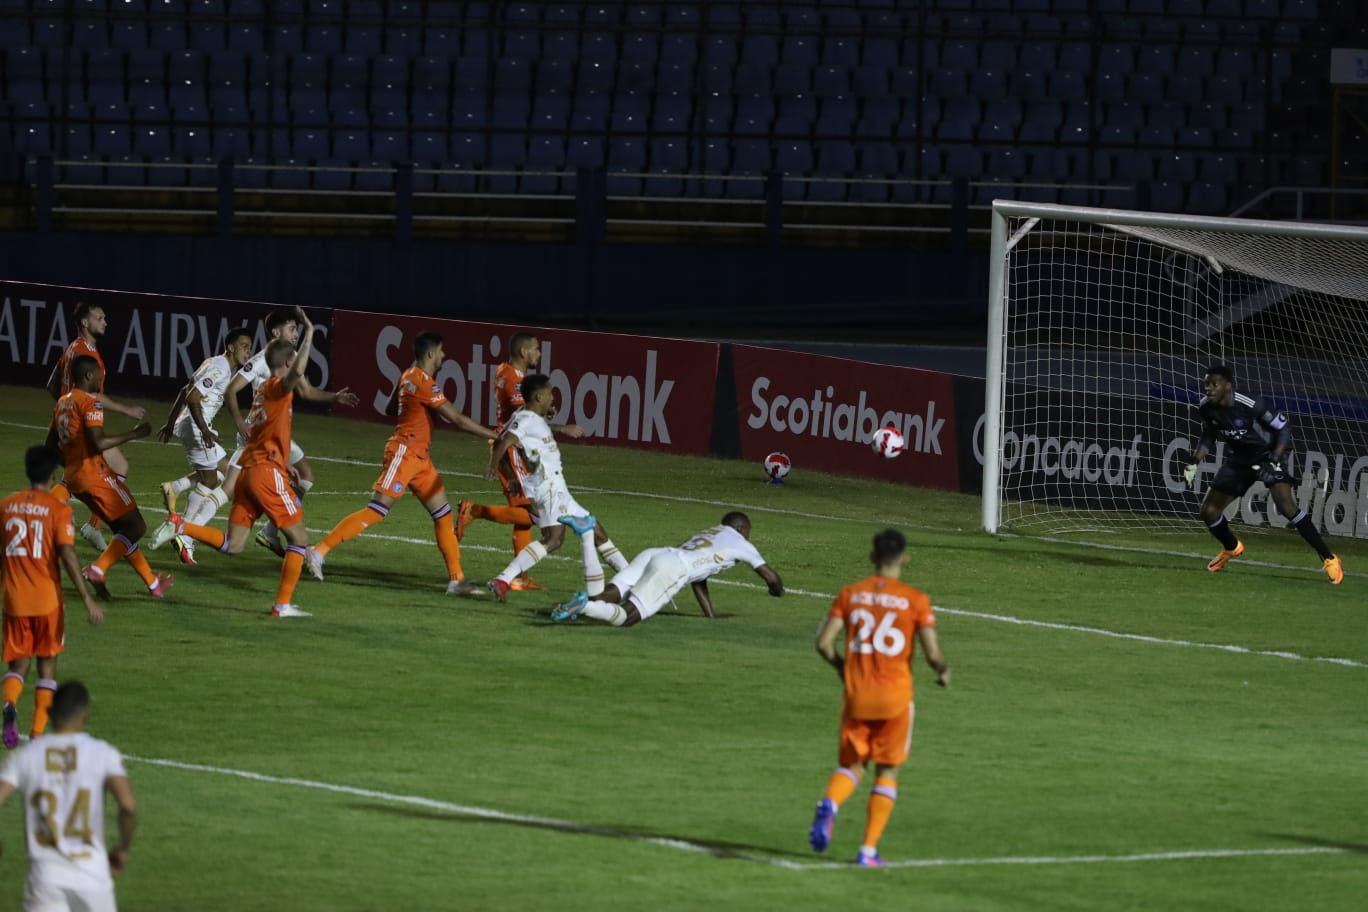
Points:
(39, 537)
(416, 402)
(878, 617)
(264, 485)
(524, 354)
(78, 427)
(90, 325)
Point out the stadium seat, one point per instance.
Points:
(877, 117)
(789, 79)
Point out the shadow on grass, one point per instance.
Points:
(1357, 848)
(541, 617)
(716, 848)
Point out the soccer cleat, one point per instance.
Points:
(168, 530)
(11, 726)
(499, 588)
(571, 609)
(1225, 557)
(169, 495)
(580, 524)
(271, 545)
(289, 611)
(96, 577)
(1333, 569)
(161, 584)
(185, 550)
(94, 536)
(869, 860)
(466, 587)
(819, 837)
(314, 561)
(465, 515)
(523, 583)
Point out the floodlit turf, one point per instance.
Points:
(413, 751)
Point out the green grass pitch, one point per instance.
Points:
(1119, 718)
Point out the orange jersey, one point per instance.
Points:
(73, 351)
(268, 439)
(419, 398)
(76, 411)
(507, 397)
(34, 524)
(881, 617)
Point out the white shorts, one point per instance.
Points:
(652, 579)
(42, 897)
(200, 457)
(553, 501)
(296, 454)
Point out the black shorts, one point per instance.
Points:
(1234, 480)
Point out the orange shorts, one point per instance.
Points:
(404, 470)
(40, 635)
(105, 495)
(265, 488)
(884, 741)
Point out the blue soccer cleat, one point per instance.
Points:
(581, 524)
(869, 860)
(571, 609)
(819, 837)
(11, 726)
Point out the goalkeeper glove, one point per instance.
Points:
(1272, 472)
(1190, 473)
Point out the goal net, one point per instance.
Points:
(1101, 323)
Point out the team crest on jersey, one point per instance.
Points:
(397, 488)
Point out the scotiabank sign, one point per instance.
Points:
(625, 390)
(153, 343)
(822, 411)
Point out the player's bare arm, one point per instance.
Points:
(700, 591)
(66, 554)
(454, 415)
(54, 381)
(99, 441)
(195, 403)
(166, 430)
(573, 431)
(295, 375)
(136, 412)
(230, 398)
(772, 579)
(502, 443)
(827, 634)
(310, 393)
(122, 791)
(930, 644)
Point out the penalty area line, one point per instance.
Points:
(701, 848)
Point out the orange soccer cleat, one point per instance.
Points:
(1225, 557)
(1333, 569)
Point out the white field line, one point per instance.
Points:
(685, 845)
(1000, 618)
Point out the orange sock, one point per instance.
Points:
(139, 563)
(350, 527)
(506, 515)
(841, 785)
(449, 546)
(289, 574)
(881, 800)
(113, 554)
(61, 491)
(12, 688)
(522, 536)
(42, 701)
(214, 538)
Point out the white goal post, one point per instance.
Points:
(1100, 324)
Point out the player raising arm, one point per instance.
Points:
(653, 577)
(877, 617)
(1258, 440)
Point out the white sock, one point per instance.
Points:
(305, 486)
(527, 558)
(612, 555)
(593, 570)
(270, 531)
(201, 513)
(195, 502)
(605, 611)
(181, 485)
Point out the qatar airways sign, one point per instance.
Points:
(626, 390)
(822, 412)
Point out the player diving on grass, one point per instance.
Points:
(653, 577)
(552, 507)
(416, 403)
(1258, 440)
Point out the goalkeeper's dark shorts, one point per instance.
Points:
(1234, 479)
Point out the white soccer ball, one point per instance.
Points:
(888, 442)
(777, 465)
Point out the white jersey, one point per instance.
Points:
(211, 379)
(715, 550)
(256, 371)
(62, 780)
(541, 453)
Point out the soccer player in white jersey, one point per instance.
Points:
(553, 507)
(656, 574)
(191, 423)
(62, 778)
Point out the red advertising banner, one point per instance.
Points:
(152, 344)
(630, 391)
(822, 411)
